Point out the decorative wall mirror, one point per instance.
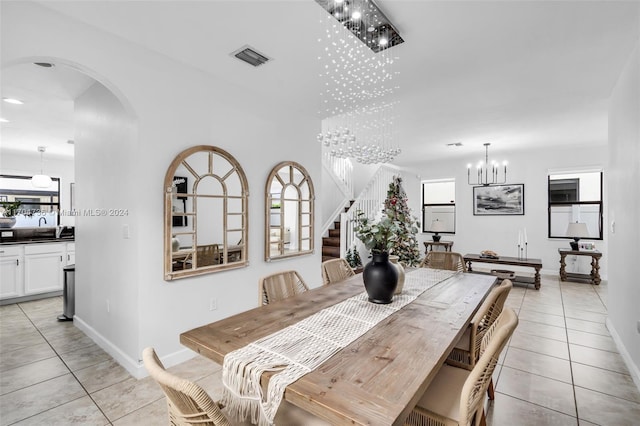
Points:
(205, 213)
(288, 212)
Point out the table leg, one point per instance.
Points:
(536, 280)
(563, 272)
(469, 266)
(595, 270)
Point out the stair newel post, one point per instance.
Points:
(344, 230)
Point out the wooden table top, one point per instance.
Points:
(378, 378)
(504, 260)
(593, 253)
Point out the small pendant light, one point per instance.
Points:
(41, 180)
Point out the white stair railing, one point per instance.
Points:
(341, 172)
(370, 202)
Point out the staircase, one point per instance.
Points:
(331, 244)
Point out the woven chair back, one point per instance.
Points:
(476, 385)
(335, 270)
(450, 261)
(488, 312)
(281, 285)
(188, 403)
(208, 255)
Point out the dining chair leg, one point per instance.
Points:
(490, 390)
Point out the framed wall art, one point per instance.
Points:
(495, 200)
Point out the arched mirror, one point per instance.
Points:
(289, 212)
(205, 225)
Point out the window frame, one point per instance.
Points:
(55, 206)
(425, 205)
(600, 203)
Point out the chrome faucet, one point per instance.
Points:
(40, 221)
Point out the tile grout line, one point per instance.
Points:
(67, 367)
(566, 330)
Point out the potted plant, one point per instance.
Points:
(9, 211)
(380, 276)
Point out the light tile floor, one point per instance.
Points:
(561, 367)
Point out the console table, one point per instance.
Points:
(536, 264)
(594, 277)
(428, 245)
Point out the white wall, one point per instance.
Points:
(107, 299)
(624, 206)
(500, 233)
(23, 164)
(175, 108)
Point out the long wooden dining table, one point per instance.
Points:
(378, 378)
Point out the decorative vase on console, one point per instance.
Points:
(380, 276)
(395, 261)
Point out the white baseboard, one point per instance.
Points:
(633, 368)
(133, 366)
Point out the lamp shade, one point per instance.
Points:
(437, 226)
(577, 230)
(41, 181)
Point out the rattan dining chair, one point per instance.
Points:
(455, 396)
(208, 255)
(451, 261)
(467, 351)
(188, 403)
(335, 270)
(281, 285)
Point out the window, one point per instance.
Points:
(575, 197)
(39, 207)
(438, 203)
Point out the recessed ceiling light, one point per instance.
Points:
(383, 41)
(356, 15)
(13, 101)
(44, 64)
(3, 120)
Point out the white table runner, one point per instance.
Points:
(302, 347)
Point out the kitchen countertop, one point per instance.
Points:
(25, 235)
(39, 241)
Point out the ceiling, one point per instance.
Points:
(518, 74)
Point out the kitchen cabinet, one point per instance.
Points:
(43, 265)
(33, 268)
(71, 254)
(11, 267)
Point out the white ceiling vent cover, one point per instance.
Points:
(251, 56)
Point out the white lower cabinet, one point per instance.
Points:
(71, 254)
(43, 265)
(29, 269)
(11, 267)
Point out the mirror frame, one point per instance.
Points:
(169, 273)
(268, 203)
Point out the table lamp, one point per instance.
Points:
(437, 226)
(576, 231)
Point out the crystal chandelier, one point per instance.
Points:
(488, 173)
(357, 99)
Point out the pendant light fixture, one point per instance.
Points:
(41, 180)
(488, 173)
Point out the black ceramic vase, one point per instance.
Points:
(380, 278)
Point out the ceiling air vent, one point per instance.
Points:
(250, 56)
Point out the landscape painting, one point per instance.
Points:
(498, 200)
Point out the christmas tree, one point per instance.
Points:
(396, 208)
